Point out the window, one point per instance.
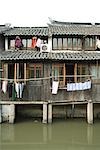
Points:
(35, 70)
(79, 43)
(58, 73)
(89, 43)
(29, 43)
(64, 43)
(75, 42)
(55, 43)
(81, 71)
(12, 44)
(70, 73)
(59, 43)
(24, 43)
(67, 43)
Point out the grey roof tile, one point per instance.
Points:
(75, 29)
(4, 28)
(35, 55)
(43, 31)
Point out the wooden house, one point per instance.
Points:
(69, 56)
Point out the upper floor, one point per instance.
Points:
(59, 37)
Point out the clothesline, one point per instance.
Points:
(44, 78)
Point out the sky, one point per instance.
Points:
(36, 12)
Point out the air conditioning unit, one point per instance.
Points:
(45, 48)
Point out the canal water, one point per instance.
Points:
(70, 134)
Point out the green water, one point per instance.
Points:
(73, 134)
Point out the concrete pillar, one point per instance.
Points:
(49, 113)
(44, 112)
(0, 113)
(6, 43)
(5, 113)
(90, 112)
(11, 113)
(50, 42)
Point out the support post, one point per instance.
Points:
(11, 113)
(6, 43)
(49, 113)
(0, 113)
(90, 112)
(44, 112)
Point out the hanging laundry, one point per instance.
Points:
(21, 87)
(98, 43)
(55, 87)
(88, 83)
(13, 92)
(17, 89)
(34, 41)
(4, 86)
(73, 86)
(10, 89)
(38, 43)
(69, 86)
(78, 86)
(18, 42)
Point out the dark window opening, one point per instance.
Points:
(69, 73)
(11, 71)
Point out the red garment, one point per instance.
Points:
(34, 40)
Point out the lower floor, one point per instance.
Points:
(39, 81)
(48, 111)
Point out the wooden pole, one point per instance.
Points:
(24, 72)
(15, 71)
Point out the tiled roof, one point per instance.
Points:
(3, 28)
(35, 55)
(72, 29)
(43, 31)
(69, 29)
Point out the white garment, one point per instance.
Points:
(38, 43)
(80, 86)
(17, 89)
(88, 84)
(4, 86)
(98, 43)
(68, 86)
(21, 87)
(77, 86)
(84, 86)
(55, 87)
(73, 86)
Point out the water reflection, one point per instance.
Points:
(71, 135)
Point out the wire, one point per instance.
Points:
(44, 78)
